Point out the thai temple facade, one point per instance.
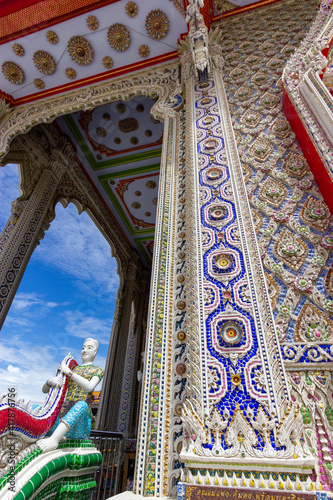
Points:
(198, 136)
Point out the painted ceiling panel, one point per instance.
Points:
(44, 55)
(126, 175)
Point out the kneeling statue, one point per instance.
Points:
(74, 419)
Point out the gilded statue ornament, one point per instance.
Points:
(39, 84)
(144, 51)
(119, 37)
(12, 72)
(107, 62)
(18, 49)
(157, 24)
(92, 23)
(131, 9)
(44, 62)
(80, 50)
(52, 37)
(70, 73)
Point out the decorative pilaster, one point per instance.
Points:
(120, 344)
(128, 393)
(24, 233)
(102, 415)
(222, 416)
(238, 417)
(16, 210)
(153, 445)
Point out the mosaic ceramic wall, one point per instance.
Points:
(293, 224)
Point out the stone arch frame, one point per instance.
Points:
(161, 82)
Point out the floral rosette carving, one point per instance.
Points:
(70, 73)
(131, 9)
(52, 37)
(119, 37)
(281, 216)
(157, 24)
(144, 51)
(12, 72)
(18, 49)
(302, 284)
(80, 50)
(327, 241)
(107, 62)
(44, 62)
(92, 23)
(39, 84)
(305, 184)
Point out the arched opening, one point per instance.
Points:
(67, 294)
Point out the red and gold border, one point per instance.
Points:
(8, 98)
(107, 75)
(316, 165)
(41, 15)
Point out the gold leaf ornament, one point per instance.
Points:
(119, 37)
(70, 73)
(52, 37)
(107, 62)
(157, 24)
(18, 49)
(39, 84)
(92, 23)
(80, 50)
(12, 72)
(144, 51)
(131, 9)
(44, 62)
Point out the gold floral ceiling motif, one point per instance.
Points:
(39, 84)
(157, 24)
(18, 49)
(119, 37)
(44, 62)
(144, 51)
(80, 50)
(70, 73)
(131, 9)
(92, 23)
(52, 37)
(12, 72)
(107, 62)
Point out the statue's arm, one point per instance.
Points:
(87, 385)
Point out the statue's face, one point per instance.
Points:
(88, 351)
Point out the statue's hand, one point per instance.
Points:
(56, 381)
(64, 368)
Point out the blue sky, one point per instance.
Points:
(66, 295)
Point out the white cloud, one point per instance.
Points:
(28, 300)
(13, 369)
(82, 326)
(74, 246)
(33, 365)
(9, 191)
(27, 311)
